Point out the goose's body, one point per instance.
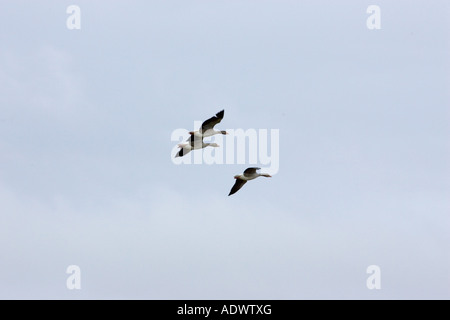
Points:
(193, 144)
(241, 179)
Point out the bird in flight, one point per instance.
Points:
(207, 128)
(241, 179)
(195, 141)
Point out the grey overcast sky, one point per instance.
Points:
(86, 170)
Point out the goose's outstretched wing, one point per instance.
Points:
(237, 185)
(211, 122)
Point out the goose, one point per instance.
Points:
(207, 128)
(194, 144)
(249, 174)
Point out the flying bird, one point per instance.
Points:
(241, 179)
(194, 143)
(207, 128)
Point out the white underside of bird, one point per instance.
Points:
(207, 133)
(185, 148)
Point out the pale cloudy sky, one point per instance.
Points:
(87, 179)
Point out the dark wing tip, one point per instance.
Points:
(211, 122)
(220, 114)
(232, 191)
(237, 185)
